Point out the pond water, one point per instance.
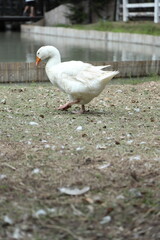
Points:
(22, 47)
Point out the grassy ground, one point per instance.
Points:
(147, 27)
(113, 149)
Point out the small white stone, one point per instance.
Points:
(136, 109)
(40, 212)
(119, 91)
(33, 123)
(99, 122)
(51, 210)
(104, 166)
(47, 146)
(137, 157)
(135, 192)
(3, 101)
(79, 128)
(36, 171)
(106, 219)
(3, 176)
(129, 142)
(8, 220)
(120, 197)
(79, 148)
(101, 146)
(17, 234)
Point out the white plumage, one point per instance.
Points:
(81, 81)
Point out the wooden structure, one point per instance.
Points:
(11, 13)
(141, 9)
(27, 72)
(19, 18)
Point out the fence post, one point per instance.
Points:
(156, 11)
(125, 10)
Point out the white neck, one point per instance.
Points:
(53, 60)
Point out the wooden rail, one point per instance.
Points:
(19, 18)
(28, 72)
(155, 13)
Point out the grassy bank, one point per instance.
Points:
(113, 149)
(129, 27)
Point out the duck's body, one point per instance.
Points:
(81, 81)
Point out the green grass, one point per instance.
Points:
(128, 27)
(135, 80)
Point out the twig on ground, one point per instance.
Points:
(8, 165)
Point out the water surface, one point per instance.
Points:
(22, 47)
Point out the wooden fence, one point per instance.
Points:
(28, 72)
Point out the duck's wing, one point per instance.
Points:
(72, 71)
(79, 76)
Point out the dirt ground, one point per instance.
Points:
(112, 153)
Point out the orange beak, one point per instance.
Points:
(37, 61)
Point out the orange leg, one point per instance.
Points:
(67, 105)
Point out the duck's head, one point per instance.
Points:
(46, 52)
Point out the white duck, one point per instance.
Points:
(81, 81)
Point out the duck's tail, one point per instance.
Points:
(102, 67)
(108, 76)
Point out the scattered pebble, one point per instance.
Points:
(79, 148)
(7, 220)
(129, 142)
(53, 147)
(17, 234)
(3, 176)
(135, 192)
(101, 146)
(79, 128)
(99, 122)
(148, 165)
(120, 197)
(47, 146)
(129, 135)
(137, 157)
(74, 191)
(157, 159)
(51, 210)
(136, 109)
(40, 212)
(29, 142)
(119, 91)
(3, 101)
(104, 166)
(36, 171)
(33, 124)
(106, 219)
